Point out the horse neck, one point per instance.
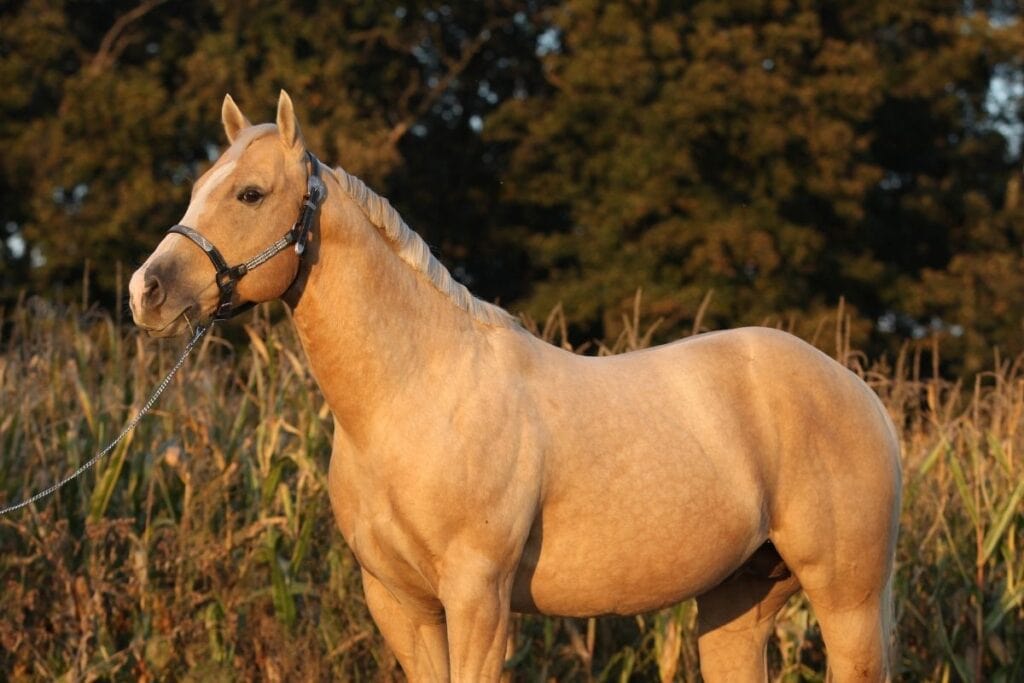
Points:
(372, 327)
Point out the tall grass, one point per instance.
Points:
(203, 548)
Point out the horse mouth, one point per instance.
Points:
(185, 320)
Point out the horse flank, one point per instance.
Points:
(412, 249)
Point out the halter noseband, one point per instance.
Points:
(228, 276)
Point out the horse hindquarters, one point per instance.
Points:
(831, 468)
(849, 586)
(850, 593)
(836, 531)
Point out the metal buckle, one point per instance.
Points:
(223, 311)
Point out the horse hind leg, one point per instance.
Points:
(856, 625)
(849, 586)
(736, 618)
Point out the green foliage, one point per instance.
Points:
(110, 111)
(783, 154)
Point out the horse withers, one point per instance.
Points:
(477, 470)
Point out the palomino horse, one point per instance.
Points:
(477, 470)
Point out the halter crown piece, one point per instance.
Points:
(228, 276)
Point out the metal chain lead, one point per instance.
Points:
(200, 331)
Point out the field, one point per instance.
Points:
(203, 547)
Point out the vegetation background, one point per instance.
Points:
(848, 170)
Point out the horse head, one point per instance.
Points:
(246, 201)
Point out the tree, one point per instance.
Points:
(783, 154)
(111, 110)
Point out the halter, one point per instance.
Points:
(228, 276)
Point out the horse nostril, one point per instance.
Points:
(153, 295)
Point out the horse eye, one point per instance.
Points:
(250, 195)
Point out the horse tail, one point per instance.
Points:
(889, 644)
(888, 627)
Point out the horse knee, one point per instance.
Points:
(478, 625)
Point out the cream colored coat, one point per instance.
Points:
(477, 470)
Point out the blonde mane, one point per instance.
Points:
(411, 248)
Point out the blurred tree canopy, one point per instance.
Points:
(781, 153)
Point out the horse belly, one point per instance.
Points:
(615, 555)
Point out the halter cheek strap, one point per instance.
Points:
(228, 276)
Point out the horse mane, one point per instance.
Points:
(412, 249)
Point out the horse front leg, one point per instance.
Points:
(415, 635)
(476, 604)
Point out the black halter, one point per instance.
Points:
(228, 276)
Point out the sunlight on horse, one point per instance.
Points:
(477, 470)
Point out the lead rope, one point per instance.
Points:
(200, 331)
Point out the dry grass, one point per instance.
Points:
(204, 548)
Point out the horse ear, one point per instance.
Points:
(288, 124)
(232, 118)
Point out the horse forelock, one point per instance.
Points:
(413, 250)
(246, 137)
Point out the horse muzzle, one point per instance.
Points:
(155, 303)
